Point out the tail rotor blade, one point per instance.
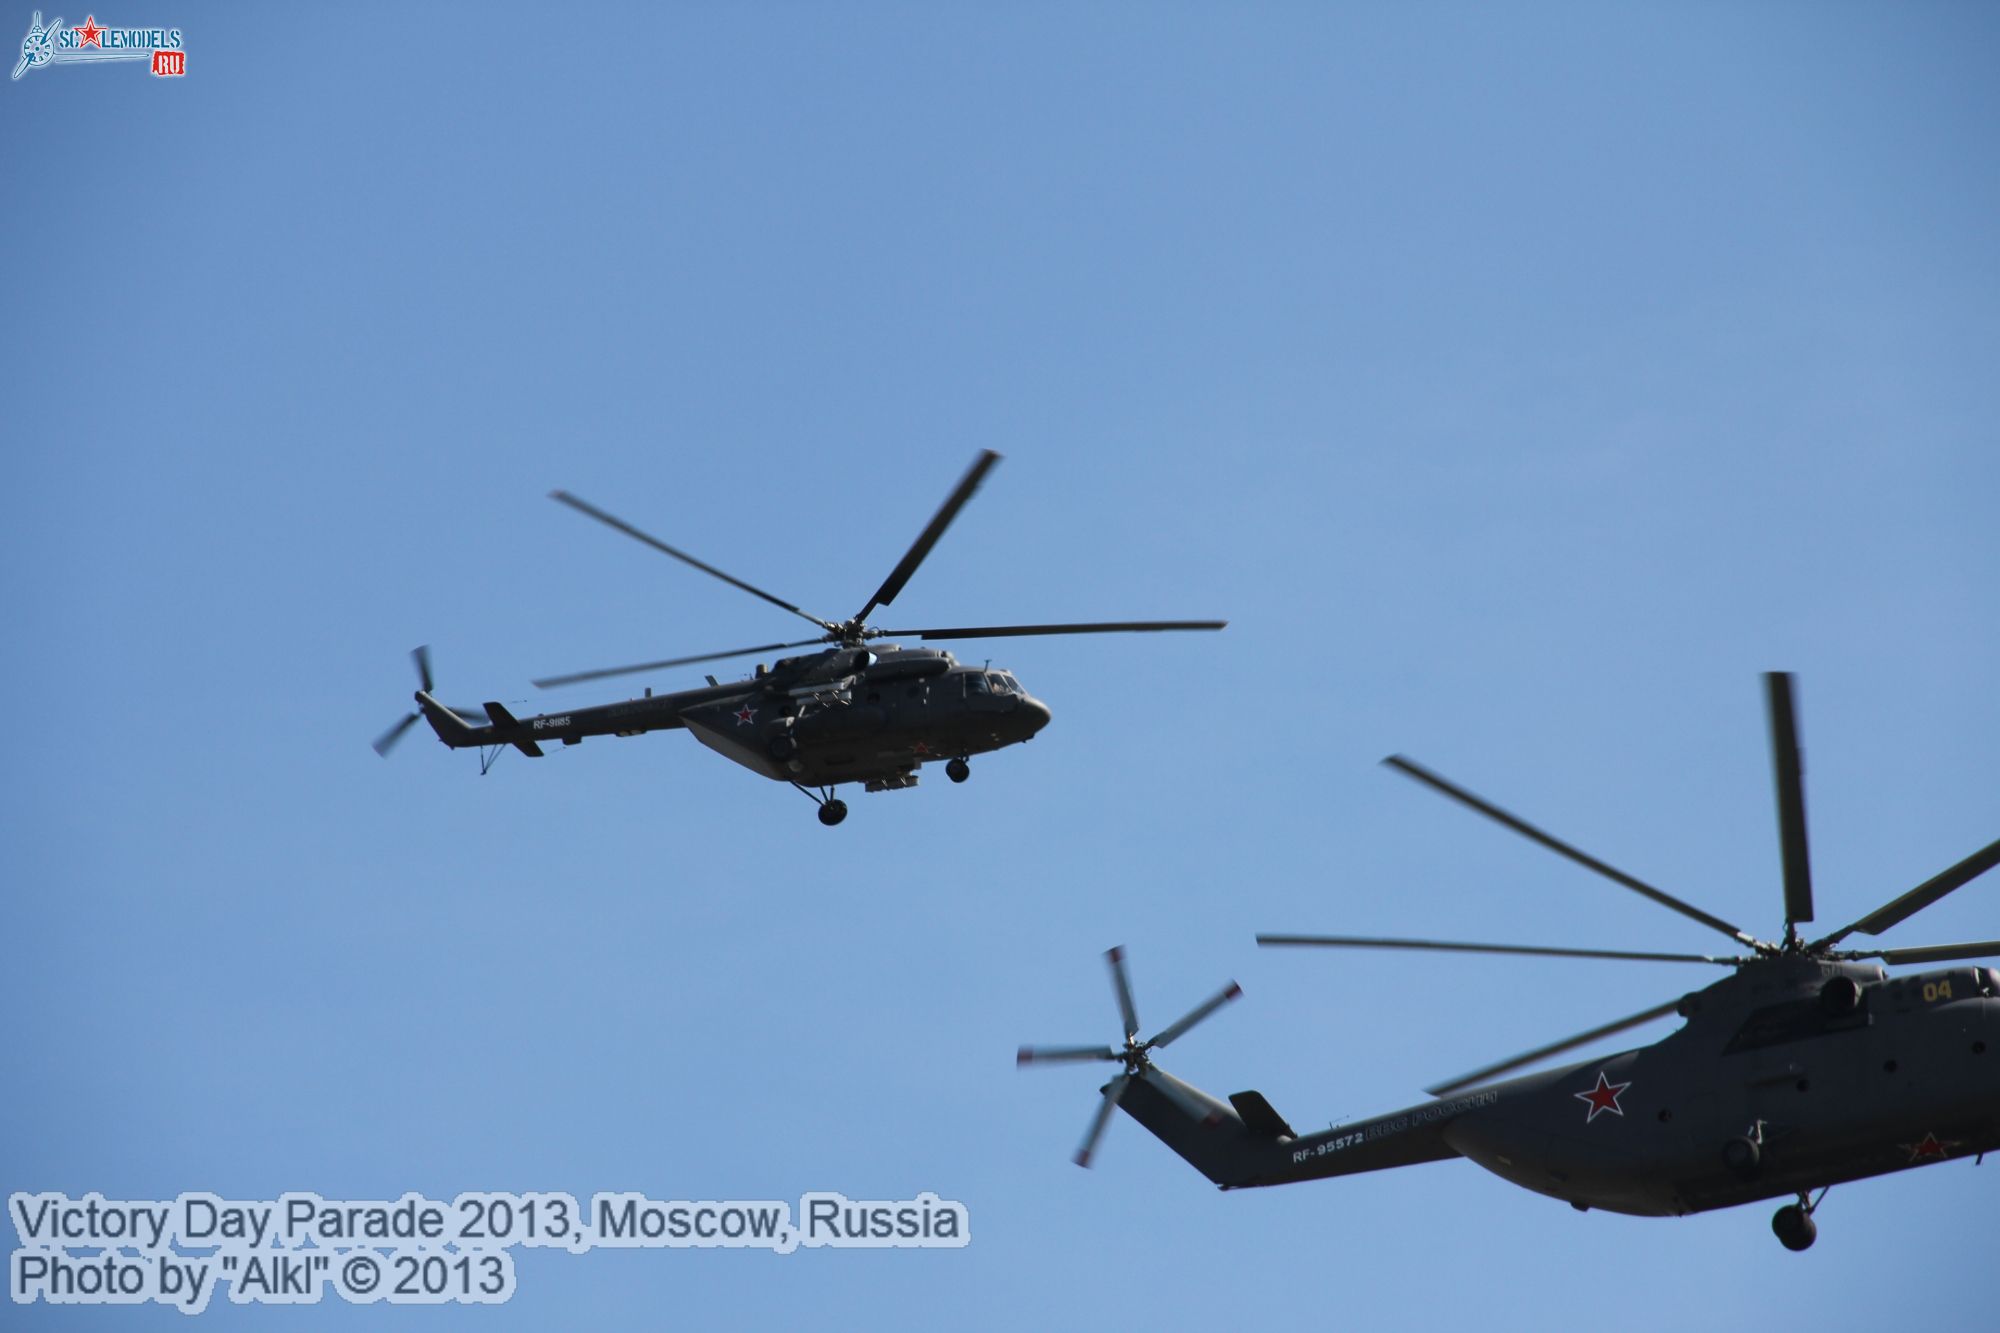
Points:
(1787, 770)
(421, 655)
(387, 740)
(1199, 1012)
(1123, 986)
(1113, 1091)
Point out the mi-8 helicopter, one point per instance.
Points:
(1804, 1068)
(845, 713)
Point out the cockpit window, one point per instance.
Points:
(1001, 685)
(975, 683)
(1008, 685)
(1792, 1020)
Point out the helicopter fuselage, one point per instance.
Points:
(872, 716)
(1793, 1074)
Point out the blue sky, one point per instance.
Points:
(1519, 384)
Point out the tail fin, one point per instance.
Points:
(452, 729)
(1233, 1145)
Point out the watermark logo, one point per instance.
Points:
(91, 43)
(298, 1247)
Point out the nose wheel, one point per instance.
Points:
(831, 808)
(958, 770)
(1793, 1224)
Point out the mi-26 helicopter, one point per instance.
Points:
(1804, 1068)
(851, 711)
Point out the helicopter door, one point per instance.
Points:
(909, 703)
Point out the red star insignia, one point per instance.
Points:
(746, 714)
(1603, 1097)
(1928, 1147)
(89, 33)
(920, 748)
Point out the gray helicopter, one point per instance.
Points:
(848, 712)
(1804, 1068)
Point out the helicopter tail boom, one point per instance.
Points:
(1244, 1143)
(459, 734)
(452, 729)
(1210, 1135)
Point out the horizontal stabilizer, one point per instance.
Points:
(503, 722)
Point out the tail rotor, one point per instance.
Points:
(1135, 1055)
(421, 657)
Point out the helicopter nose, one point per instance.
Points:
(1035, 713)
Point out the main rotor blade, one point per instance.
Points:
(1547, 951)
(929, 536)
(1115, 955)
(550, 682)
(585, 507)
(1556, 1048)
(1051, 1055)
(421, 655)
(1113, 1091)
(1937, 953)
(1561, 848)
(1195, 1015)
(1786, 768)
(1917, 899)
(387, 740)
(1021, 631)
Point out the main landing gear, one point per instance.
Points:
(958, 770)
(831, 808)
(1793, 1224)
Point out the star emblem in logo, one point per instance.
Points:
(745, 715)
(1603, 1097)
(920, 748)
(1929, 1146)
(89, 33)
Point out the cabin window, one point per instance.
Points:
(975, 684)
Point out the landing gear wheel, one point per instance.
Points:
(958, 770)
(832, 812)
(1794, 1227)
(1742, 1156)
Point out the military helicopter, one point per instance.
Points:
(845, 713)
(1804, 1068)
